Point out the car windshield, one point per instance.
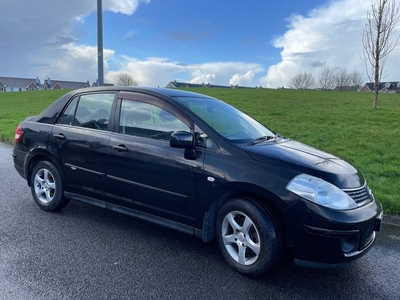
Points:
(228, 121)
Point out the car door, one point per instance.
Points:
(144, 172)
(80, 140)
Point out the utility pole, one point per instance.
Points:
(100, 57)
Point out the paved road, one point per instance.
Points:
(86, 252)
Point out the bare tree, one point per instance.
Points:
(302, 81)
(356, 80)
(342, 80)
(124, 79)
(339, 79)
(295, 81)
(381, 21)
(326, 79)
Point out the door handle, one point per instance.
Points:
(120, 148)
(59, 136)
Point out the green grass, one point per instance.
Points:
(342, 123)
(16, 106)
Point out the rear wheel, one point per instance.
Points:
(248, 237)
(46, 187)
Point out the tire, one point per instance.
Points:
(248, 237)
(47, 187)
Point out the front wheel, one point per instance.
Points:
(47, 187)
(248, 237)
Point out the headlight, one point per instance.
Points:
(320, 192)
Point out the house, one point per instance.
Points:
(349, 88)
(384, 87)
(11, 84)
(174, 84)
(64, 85)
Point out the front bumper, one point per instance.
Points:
(326, 238)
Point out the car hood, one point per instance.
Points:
(305, 159)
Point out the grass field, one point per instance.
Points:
(342, 123)
(16, 106)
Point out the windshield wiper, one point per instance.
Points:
(262, 139)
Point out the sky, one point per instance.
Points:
(249, 43)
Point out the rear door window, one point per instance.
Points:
(89, 111)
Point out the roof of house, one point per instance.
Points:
(16, 82)
(176, 84)
(69, 85)
(24, 82)
(391, 86)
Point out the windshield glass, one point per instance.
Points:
(228, 121)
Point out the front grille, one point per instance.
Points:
(361, 195)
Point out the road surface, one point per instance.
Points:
(85, 252)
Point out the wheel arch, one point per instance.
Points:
(271, 204)
(36, 156)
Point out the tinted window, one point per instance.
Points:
(147, 120)
(68, 116)
(228, 121)
(90, 111)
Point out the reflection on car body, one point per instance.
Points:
(198, 165)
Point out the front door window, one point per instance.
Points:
(149, 121)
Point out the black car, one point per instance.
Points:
(198, 165)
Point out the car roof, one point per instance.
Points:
(152, 90)
(50, 114)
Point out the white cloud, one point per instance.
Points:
(224, 73)
(78, 62)
(155, 71)
(150, 72)
(43, 42)
(243, 80)
(205, 78)
(127, 7)
(328, 36)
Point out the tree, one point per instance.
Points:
(342, 80)
(326, 79)
(381, 21)
(356, 80)
(124, 79)
(339, 79)
(302, 81)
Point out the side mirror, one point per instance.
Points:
(181, 139)
(185, 140)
